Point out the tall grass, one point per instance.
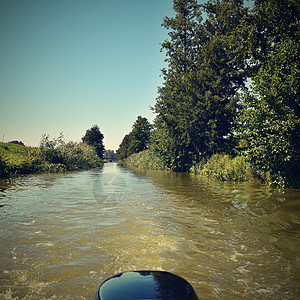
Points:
(18, 159)
(145, 160)
(225, 168)
(79, 156)
(218, 166)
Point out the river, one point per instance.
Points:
(62, 234)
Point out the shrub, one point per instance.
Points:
(79, 156)
(4, 170)
(223, 167)
(17, 159)
(145, 160)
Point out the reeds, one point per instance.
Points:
(223, 167)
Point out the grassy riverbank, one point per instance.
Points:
(18, 159)
(144, 160)
(225, 168)
(218, 166)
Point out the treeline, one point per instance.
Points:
(137, 140)
(231, 86)
(52, 155)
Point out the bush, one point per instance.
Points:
(61, 156)
(145, 160)
(17, 159)
(222, 167)
(79, 156)
(4, 170)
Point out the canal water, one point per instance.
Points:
(62, 234)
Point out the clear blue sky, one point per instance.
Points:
(66, 65)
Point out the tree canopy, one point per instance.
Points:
(270, 117)
(137, 140)
(197, 102)
(94, 137)
(232, 78)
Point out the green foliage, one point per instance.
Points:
(4, 170)
(140, 135)
(208, 64)
(79, 156)
(17, 142)
(270, 121)
(225, 168)
(123, 150)
(109, 155)
(61, 156)
(197, 103)
(47, 143)
(94, 137)
(137, 140)
(17, 159)
(145, 160)
(270, 22)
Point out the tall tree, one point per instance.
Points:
(94, 137)
(222, 72)
(137, 140)
(123, 150)
(270, 121)
(175, 102)
(140, 135)
(197, 103)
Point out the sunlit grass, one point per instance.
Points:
(225, 168)
(145, 160)
(18, 159)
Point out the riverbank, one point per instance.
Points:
(218, 166)
(19, 159)
(144, 160)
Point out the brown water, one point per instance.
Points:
(62, 234)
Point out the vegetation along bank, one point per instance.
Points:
(229, 103)
(53, 155)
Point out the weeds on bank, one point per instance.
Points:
(225, 168)
(18, 159)
(145, 160)
(218, 166)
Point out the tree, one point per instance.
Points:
(270, 120)
(197, 103)
(123, 150)
(140, 135)
(17, 143)
(94, 137)
(137, 140)
(175, 102)
(109, 155)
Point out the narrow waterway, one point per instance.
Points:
(62, 234)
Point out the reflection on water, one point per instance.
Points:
(146, 285)
(62, 234)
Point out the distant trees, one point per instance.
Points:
(137, 140)
(123, 151)
(109, 155)
(94, 137)
(17, 143)
(140, 135)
